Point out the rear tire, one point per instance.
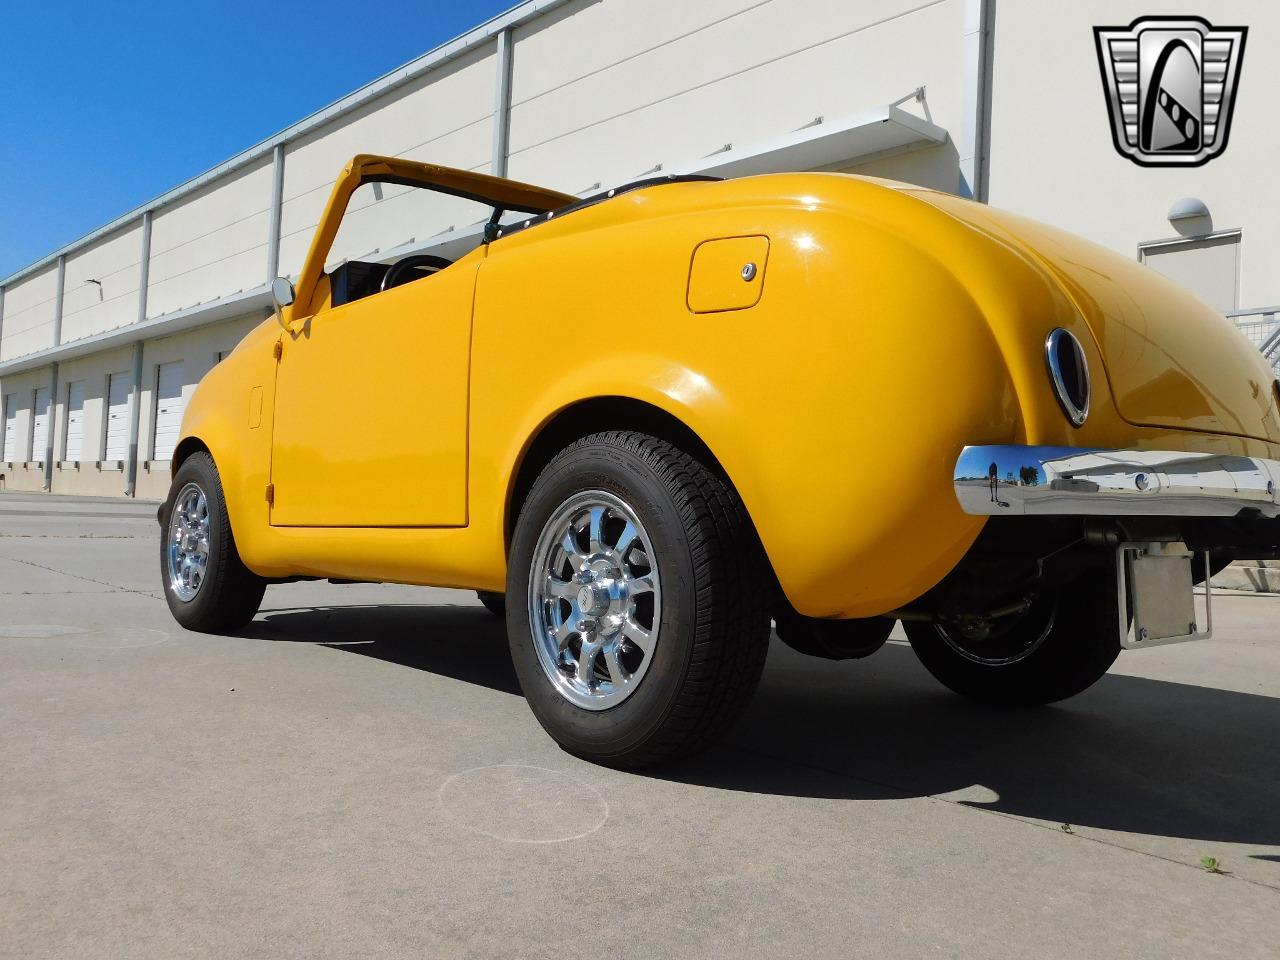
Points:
(206, 585)
(1058, 648)
(672, 671)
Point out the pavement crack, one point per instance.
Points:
(73, 536)
(1057, 829)
(76, 576)
(59, 593)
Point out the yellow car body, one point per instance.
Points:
(833, 341)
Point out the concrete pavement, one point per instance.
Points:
(357, 775)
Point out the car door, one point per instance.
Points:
(371, 409)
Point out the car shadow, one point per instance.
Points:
(1131, 754)
(465, 643)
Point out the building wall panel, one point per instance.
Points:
(764, 72)
(19, 474)
(29, 308)
(198, 351)
(932, 167)
(115, 262)
(23, 386)
(94, 476)
(445, 117)
(92, 371)
(212, 243)
(603, 33)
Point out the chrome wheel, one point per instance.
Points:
(595, 600)
(1001, 639)
(187, 551)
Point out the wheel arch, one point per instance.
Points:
(184, 450)
(596, 415)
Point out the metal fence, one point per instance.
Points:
(1262, 326)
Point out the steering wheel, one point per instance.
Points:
(400, 270)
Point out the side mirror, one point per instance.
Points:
(282, 292)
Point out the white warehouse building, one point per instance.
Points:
(103, 341)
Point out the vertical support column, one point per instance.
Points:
(50, 426)
(144, 266)
(57, 301)
(135, 388)
(51, 421)
(502, 105)
(975, 123)
(135, 413)
(277, 203)
(1, 321)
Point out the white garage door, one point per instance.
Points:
(10, 451)
(73, 439)
(39, 425)
(117, 417)
(168, 410)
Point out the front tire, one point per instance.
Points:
(637, 601)
(1059, 647)
(206, 585)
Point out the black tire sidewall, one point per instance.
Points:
(1080, 647)
(208, 605)
(625, 728)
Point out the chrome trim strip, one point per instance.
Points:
(1076, 481)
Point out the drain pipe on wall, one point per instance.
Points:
(51, 425)
(135, 412)
(502, 104)
(135, 389)
(975, 127)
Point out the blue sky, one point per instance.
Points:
(107, 104)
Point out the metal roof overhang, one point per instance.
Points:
(853, 140)
(188, 318)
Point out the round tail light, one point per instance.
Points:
(1069, 371)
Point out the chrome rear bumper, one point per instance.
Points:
(1072, 481)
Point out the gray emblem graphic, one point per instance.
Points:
(1171, 85)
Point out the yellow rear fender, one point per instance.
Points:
(836, 404)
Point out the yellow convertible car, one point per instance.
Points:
(650, 423)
